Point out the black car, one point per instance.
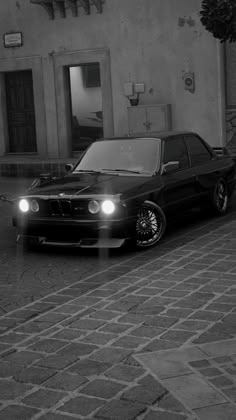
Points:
(123, 189)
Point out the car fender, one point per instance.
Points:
(134, 203)
(151, 203)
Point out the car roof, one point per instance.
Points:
(158, 135)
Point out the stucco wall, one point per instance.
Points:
(150, 41)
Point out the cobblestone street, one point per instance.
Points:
(148, 335)
(118, 210)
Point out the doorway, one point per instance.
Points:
(86, 105)
(20, 112)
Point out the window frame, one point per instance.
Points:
(207, 147)
(171, 139)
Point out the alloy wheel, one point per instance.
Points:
(150, 226)
(221, 197)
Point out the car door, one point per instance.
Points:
(179, 185)
(204, 165)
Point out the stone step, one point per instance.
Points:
(30, 168)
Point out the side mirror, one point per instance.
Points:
(69, 167)
(45, 177)
(42, 179)
(170, 167)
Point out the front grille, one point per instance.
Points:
(60, 208)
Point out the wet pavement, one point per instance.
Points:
(151, 337)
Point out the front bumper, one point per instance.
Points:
(76, 233)
(81, 243)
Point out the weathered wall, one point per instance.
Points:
(230, 54)
(151, 41)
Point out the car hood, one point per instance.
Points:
(97, 184)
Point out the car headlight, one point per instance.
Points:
(93, 206)
(108, 207)
(34, 206)
(24, 205)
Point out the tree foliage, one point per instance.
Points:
(219, 18)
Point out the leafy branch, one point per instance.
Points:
(219, 18)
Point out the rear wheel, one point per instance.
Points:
(150, 225)
(220, 198)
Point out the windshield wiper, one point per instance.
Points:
(121, 170)
(87, 171)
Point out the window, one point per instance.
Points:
(198, 151)
(141, 155)
(176, 150)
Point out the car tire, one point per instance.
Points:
(220, 198)
(150, 225)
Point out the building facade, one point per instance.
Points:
(75, 70)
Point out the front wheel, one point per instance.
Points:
(150, 225)
(220, 198)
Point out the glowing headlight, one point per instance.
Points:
(93, 206)
(24, 205)
(34, 206)
(108, 207)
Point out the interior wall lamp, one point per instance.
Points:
(132, 91)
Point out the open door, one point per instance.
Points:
(86, 105)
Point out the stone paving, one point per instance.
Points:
(152, 338)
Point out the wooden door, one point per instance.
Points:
(20, 112)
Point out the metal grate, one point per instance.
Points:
(60, 207)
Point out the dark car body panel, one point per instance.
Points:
(94, 184)
(64, 215)
(179, 189)
(208, 173)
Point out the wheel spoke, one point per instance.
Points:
(221, 197)
(149, 226)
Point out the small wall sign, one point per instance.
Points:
(13, 39)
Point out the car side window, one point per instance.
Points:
(198, 151)
(176, 150)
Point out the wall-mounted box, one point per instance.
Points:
(149, 118)
(189, 81)
(128, 88)
(139, 87)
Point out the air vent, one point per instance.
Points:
(60, 208)
(59, 8)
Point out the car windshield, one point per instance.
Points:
(134, 156)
